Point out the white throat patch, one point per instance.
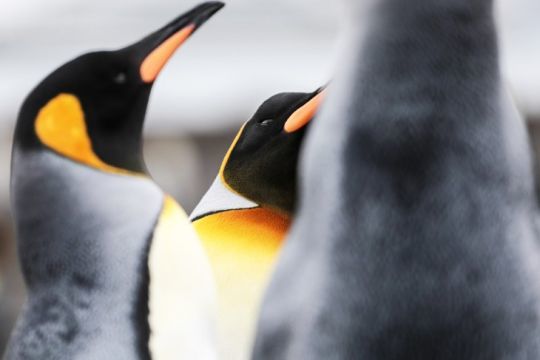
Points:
(219, 198)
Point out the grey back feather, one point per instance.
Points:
(416, 234)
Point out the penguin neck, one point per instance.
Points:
(429, 138)
(122, 148)
(65, 123)
(443, 45)
(423, 74)
(121, 153)
(395, 16)
(423, 104)
(421, 70)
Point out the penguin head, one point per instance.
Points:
(261, 164)
(92, 108)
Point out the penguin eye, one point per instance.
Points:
(120, 78)
(266, 122)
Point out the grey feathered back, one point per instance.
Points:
(415, 237)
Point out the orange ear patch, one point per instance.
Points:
(156, 60)
(60, 125)
(304, 114)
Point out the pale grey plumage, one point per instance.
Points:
(81, 235)
(415, 237)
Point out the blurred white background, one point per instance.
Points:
(249, 51)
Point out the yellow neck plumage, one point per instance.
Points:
(242, 246)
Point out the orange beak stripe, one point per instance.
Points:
(303, 115)
(156, 60)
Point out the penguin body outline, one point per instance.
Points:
(244, 216)
(90, 223)
(424, 244)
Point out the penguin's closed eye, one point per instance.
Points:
(266, 122)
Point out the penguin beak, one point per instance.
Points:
(157, 48)
(303, 115)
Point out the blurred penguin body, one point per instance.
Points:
(244, 217)
(112, 265)
(415, 234)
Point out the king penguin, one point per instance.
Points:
(246, 213)
(113, 267)
(415, 236)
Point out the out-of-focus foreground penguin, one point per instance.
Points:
(112, 265)
(246, 213)
(415, 237)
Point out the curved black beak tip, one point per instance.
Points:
(194, 17)
(322, 88)
(204, 12)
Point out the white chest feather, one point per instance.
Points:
(182, 290)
